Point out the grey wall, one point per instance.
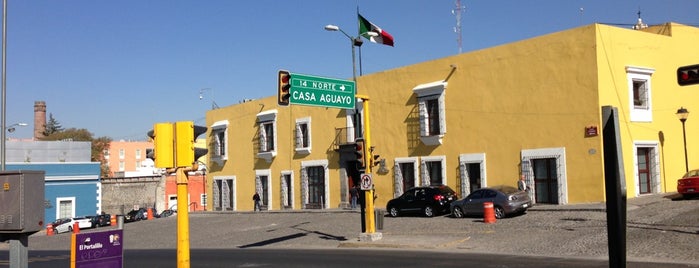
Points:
(120, 195)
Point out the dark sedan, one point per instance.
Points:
(688, 185)
(428, 201)
(506, 200)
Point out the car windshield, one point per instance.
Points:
(691, 173)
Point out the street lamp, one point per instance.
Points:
(682, 114)
(213, 102)
(11, 128)
(354, 42)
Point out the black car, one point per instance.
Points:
(426, 200)
(100, 220)
(136, 215)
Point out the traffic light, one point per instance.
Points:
(163, 153)
(360, 152)
(185, 152)
(688, 75)
(283, 93)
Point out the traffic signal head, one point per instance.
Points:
(688, 75)
(163, 154)
(284, 85)
(186, 133)
(360, 152)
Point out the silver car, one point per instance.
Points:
(506, 200)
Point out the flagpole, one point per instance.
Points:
(359, 36)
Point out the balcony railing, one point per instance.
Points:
(343, 136)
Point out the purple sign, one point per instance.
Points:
(99, 249)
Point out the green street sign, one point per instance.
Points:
(321, 91)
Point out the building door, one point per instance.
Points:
(545, 180)
(644, 174)
(474, 175)
(408, 171)
(264, 196)
(316, 186)
(289, 202)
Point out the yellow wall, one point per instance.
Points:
(243, 148)
(663, 48)
(538, 93)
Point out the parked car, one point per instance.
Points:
(100, 220)
(66, 225)
(426, 200)
(136, 215)
(166, 213)
(688, 185)
(506, 200)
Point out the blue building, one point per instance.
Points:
(72, 182)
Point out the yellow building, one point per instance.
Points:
(472, 120)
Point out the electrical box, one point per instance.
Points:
(21, 201)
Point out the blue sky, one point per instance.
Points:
(117, 67)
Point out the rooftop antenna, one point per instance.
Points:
(640, 25)
(457, 11)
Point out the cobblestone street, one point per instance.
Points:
(659, 229)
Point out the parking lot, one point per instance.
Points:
(658, 229)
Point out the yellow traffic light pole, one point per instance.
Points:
(183, 258)
(174, 150)
(368, 195)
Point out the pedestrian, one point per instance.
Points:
(256, 199)
(354, 195)
(521, 184)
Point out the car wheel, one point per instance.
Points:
(457, 212)
(70, 229)
(428, 211)
(393, 211)
(499, 213)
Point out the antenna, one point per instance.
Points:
(457, 11)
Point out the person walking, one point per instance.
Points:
(256, 199)
(354, 195)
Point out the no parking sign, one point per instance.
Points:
(366, 182)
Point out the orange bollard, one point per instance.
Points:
(150, 213)
(76, 228)
(488, 212)
(112, 220)
(49, 229)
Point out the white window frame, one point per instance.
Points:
(265, 118)
(221, 155)
(299, 135)
(477, 158)
(640, 74)
(423, 164)
(398, 185)
(138, 153)
(304, 184)
(290, 187)
(430, 91)
(58, 206)
(267, 173)
(560, 154)
(655, 175)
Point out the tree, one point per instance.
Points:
(52, 126)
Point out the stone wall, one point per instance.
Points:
(121, 195)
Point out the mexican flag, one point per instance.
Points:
(382, 37)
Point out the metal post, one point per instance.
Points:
(4, 83)
(684, 136)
